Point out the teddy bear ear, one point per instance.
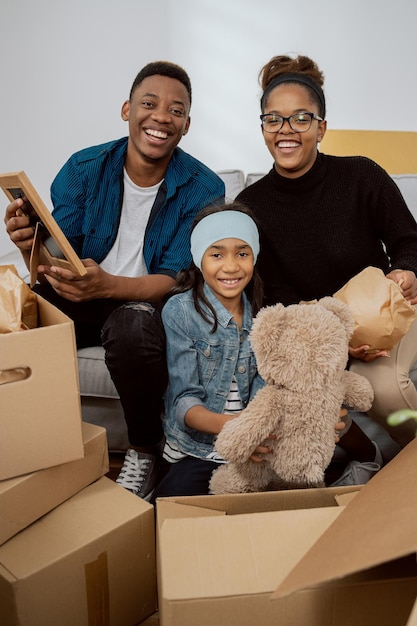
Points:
(268, 321)
(341, 310)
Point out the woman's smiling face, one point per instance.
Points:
(293, 153)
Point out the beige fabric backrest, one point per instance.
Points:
(395, 151)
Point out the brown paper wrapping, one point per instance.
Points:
(18, 304)
(382, 314)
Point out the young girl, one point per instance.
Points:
(212, 369)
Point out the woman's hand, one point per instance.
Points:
(407, 280)
(362, 353)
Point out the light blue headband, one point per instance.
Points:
(223, 225)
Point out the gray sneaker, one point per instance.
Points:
(139, 473)
(357, 473)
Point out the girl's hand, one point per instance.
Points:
(362, 353)
(258, 455)
(340, 424)
(407, 280)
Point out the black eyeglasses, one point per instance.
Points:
(299, 122)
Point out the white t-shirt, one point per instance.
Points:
(126, 256)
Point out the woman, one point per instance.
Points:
(324, 218)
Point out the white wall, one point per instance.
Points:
(66, 68)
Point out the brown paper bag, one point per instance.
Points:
(18, 304)
(382, 314)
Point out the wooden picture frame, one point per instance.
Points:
(50, 245)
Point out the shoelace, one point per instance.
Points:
(133, 472)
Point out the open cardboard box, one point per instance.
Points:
(90, 561)
(412, 620)
(317, 557)
(26, 498)
(40, 417)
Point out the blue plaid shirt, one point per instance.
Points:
(87, 195)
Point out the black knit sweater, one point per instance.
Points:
(319, 230)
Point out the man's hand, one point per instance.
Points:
(18, 226)
(94, 284)
(100, 284)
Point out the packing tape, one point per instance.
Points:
(97, 586)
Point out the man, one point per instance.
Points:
(127, 207)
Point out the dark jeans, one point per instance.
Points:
(188, 477)
(133, 337)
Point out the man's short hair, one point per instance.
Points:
(162, 68)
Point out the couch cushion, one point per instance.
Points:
(234, 181)
(252, 177)
(100, 402)
(407, 184)
(95, 379)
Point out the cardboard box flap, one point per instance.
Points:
(261, 502)
(173, 510)
(412, 620)
(238, 545)
(378, 526)
(344, 499)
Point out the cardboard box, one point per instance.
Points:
(412, 621)
(40, 418)
(89, 561)
(293, 558)
(26, 498)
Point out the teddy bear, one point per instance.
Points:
(301, 352)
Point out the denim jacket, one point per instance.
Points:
(201, 366)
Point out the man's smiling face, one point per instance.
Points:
(158, 116)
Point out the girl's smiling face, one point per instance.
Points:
(227, 267)
(293, 153)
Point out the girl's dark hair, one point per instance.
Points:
(192, 278)
(303, 65)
